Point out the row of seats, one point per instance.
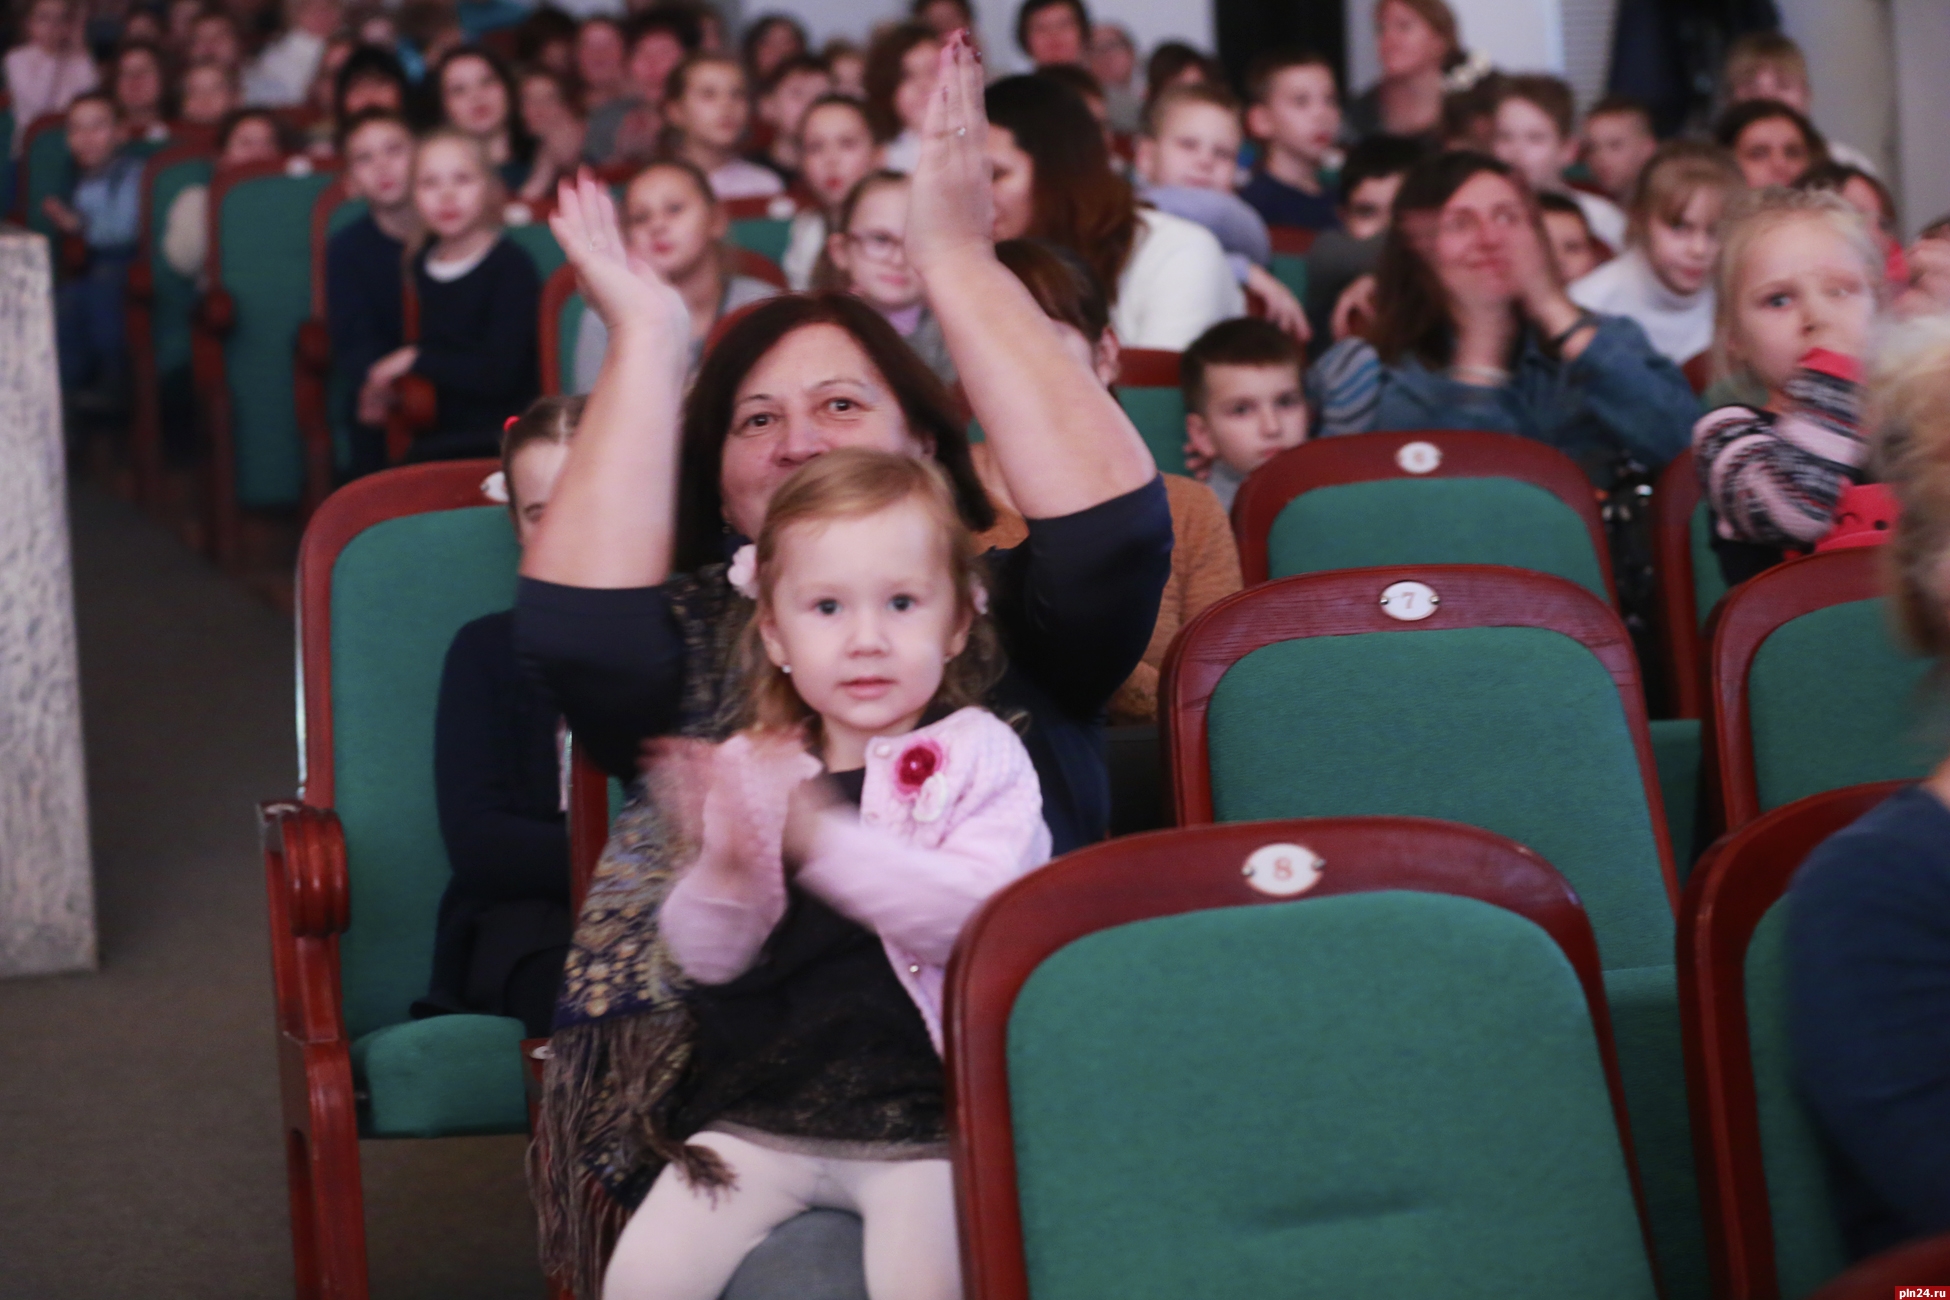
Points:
(1490, 697)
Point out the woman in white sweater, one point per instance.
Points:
(1167, 278)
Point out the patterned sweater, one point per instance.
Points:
(1772, 478)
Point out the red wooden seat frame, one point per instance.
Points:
(1172, 872)
(309, 891)
(1368, 457)
(312, 368)
(756, 208)
(45, 122)
(1346, 602)
(1698, 370)
(1293, 241)
(1147, 368)
(1745, 618)
(1919, 1263)
(556, 291)
(139, 314)
(1673, 501)
(1728, 893)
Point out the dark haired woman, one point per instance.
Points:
(478, 95)
(626, 609)
(1473, 330)
(1771, 143)
(1167, 278)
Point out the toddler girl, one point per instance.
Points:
(836, 150)
(673, 222)
(708, 106)
(868, 257)
(1799, 282)
(815, 918)
(1662, 280)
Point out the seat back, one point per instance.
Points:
(390, 569)
(46, 171)
(166, 176)
(1177, 1072)
(1289, 264)
(1684, 578)
(260, 256)
(332, 211)
(561, 322)
(1419, 498)
(538, 241)
(1147, 389)
(1810, 690)
(765, 236)
(1508, 700)
(1771, 1227)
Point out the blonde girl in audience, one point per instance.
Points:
(1799, 283)
(677, 227)
(1663, 280)
(49, 67)
(836, 150)
(868, 256)
(816, 913)
(899, 76)
(708, 105)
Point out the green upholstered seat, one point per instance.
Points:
(46, 171)
(569, 328)
(1833, 701)
(1433, 521)
(264, 251)
(1375, 1094)
(1676, 751)
(400, 590)
(1808, 1247)
(1159, 414)
(7, 172)
(538, 241)
(1709, 582)
(1519, 731)
(176, 295)
(1290, 269)
(763, 235)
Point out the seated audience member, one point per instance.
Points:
(1186, 161)
(1469, 116)
(104, 210)
(1769, 65)
(1416, 42)
(708, 107)
(794, 86)
(248, 135)
(945, 17)
(1051, 179)
(364, 283)
(771, 42)
(1800, 279)
(1204, 558)
(1663, 279)
(370, 78)
(1084, 85)
(546, 39)
(630, 129)
(548, 110)
(179, 18)
(899, 74)
(1618, 142)
(601, 65)
(1294, 113)
(1244, 400)
(1174, 63)
(1535, 135)
(1925, 290)
(1371, 173)
(1575, 249)
(1473, 330)
(868, 254)
(836, 150)
(215, 38)
(478, 96)
(140, 86)
(1053, 31)
(479, 296)
(1771, 143)
(1868, 1015)
(675, 224)
(282, 73)
(1868, 196)
(498, 754)
(1113, 59)
(210, 93)
(848, 64)
(49, 67)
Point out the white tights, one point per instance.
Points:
(682, 1244)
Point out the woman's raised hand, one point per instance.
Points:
(621, 288)
(950, 207)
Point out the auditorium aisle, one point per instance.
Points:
(139, 1144)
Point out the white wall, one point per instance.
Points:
(1852, 66)
(1151, 21)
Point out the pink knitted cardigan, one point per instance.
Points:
(949, 813)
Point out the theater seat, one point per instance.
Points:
(442, 1077)
(1147, 389)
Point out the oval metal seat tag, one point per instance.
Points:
(1283, 870)
(1419, 457)
(1411, 602)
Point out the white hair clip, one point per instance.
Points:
(495, 488)
(980, 595)
(743, 574)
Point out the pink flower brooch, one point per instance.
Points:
(918, 779)
(743, 574)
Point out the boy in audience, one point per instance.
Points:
(209, 94)
(1370, 175)
(1769, 65)
(1569, 236)
(782, 103)
(627, 129)
(363, 278)
(1294, 111)
(1618, 142)
(1534, 120)
(1243, 400)
(104, 211)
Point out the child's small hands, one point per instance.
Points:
(1282, 308)
(808, 803)
(64, 217)
(1354, 309)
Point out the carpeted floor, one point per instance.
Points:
(139, 1146)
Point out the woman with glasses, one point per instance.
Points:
(868, 258)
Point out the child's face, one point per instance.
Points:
(207, 95)
(139, 83)
(542, 105)
(916, 84)
(1368, 210)
(835, 151)
(599, 55)
(1197, 146)
(1768, 82)
(866, 614)
(474, 98)
(1616, 148)
(1252, 413)
(532, 482)
(379, 160)
(1570, 245)
(48, 26)
(1527, 139)
(252, 140)
(779, 43)
(849, 74)
(1682, 250)
(214, 40)
(450, 189)
(652, 59)
(1771, 152)
(1112, 59)
(715, 108)
(1301, 115)
(1799, 287)
(873, 250)
(668, 224)
(786, 106)
(93, 134)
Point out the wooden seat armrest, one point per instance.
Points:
(415, 410)
(216, 313)
(1924, 1263)
(310, 895)
(141, 287)
(315, 346)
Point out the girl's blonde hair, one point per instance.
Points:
(851, 483)
(1670, 179)
(1760, 212)
(497, 192)
(1909, 388)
